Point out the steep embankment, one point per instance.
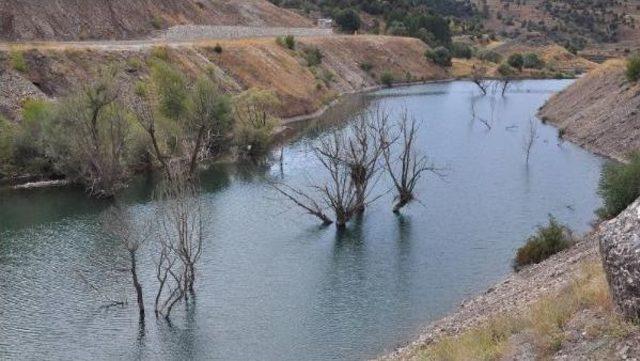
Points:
(123, 19)
(599, 111)
(242, 64)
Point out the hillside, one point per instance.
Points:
(566, 21)
(599, 111)
(123, 19)
(242, 64)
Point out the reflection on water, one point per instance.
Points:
(273, 284)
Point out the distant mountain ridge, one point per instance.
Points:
(32, 20)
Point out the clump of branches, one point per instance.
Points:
(118, 222)
(530, 138)
(351, 158)
(355, 160)
(181, 235)
(404, 164)
(478, 77)
(95, 155)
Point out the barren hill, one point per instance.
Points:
(599, 111)
(124, 19)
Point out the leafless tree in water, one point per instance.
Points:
(119, 223)
(181, 236)
(505, 84)
(475, 116)
(478, 77)
(351, 159)
(405, 166)
(530, 138)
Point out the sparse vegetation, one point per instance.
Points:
(461, 50)
(288, 41)
(490, 55)
(633, 68)
(387, 78)
(619, 186)
(532, 61)
(516, 60)
(542, 325)
(547, 241)
(254, 111)
(18, 62)
(440, 56)
(312, 55)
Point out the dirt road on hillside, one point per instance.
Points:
(183, 35)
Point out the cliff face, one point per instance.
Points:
(599, 111)
(123, 19)
(242, 64)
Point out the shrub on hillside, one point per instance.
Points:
(516, 60)
(633, 68)
(619, 186)
(547, 241)
(490, 55)
(288, 41)
(387, 78)
(532, 61)
(348, 20)
(461, 50)
(18, 61)
(440, 56)
(313, 56)
(506, 70)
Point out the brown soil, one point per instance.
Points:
(124, 19)
(599, 111)
(52, 71)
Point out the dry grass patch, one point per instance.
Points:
(544, 323)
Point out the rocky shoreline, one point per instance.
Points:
(510, 296)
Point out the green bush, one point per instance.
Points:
(387, 78)
(633, 68)
(532, 61)
(171, 86)
(18, 61)
(217, 49)
(516, 60)
(366, 66)
(547, 241)
(348, 20)
(461, 50)
(506, 70)
(440, 56)
(619, 186)
(313, 56)
(490, 55)
(290, 42)
(7, 130)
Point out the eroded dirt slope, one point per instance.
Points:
(599, 111)
(242, 64)
(123, 19)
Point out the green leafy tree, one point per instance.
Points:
(516, 61)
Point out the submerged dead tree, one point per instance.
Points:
(181, 236)
(351, 159)
(405, 166)
(478, 77)
(119, 223)
(530, 138)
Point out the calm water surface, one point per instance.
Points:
(273, 285)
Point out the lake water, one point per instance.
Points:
(273, 284)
